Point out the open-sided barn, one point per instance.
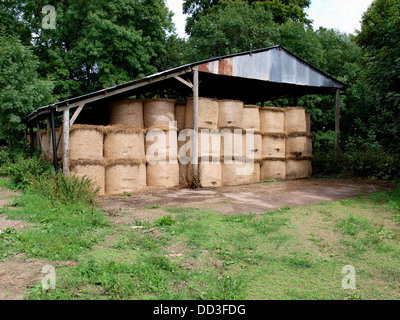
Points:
(206, 121)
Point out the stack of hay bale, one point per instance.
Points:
(124, 154)
(298, 144)
(272, 125)
(209, 159)
(43, 139)
(161, 143)
(86, 154)
(139, 148)
(240, 159)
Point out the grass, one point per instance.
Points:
(291, 253)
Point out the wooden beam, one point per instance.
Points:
(337, 125)
(136, 85)
(187, 83)
(195, 122)
(66, 125)
(76, 114)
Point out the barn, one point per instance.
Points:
(206, 124)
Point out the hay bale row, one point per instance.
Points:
(43, 137)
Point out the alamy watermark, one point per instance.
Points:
(49, 281)
(237, 145)
(49, 20)
(349, 281)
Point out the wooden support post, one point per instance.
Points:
(38, 146)
(66, 142)
(337, 125)
(48, 136)
(195, 122)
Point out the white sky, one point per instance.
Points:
(344, 15)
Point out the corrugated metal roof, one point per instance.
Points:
(275, 65)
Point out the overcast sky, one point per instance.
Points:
(344, 15)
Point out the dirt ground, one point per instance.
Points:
(255, 198)
(18, 272)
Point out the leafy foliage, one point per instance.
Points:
(281, 11)
(21, 88)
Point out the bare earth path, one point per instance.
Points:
(16, 273)
(254, 198)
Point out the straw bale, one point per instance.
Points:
(158, 112)
(127, 175)
(208, 113)
(161, 143)
(235, 145)
(43, 136)
(273, 146)
(162, 173)
(92, 169)
(126, 145)
(210, 173)
(272, 119)
(298, 169)
(230, 114)
(234, 174)
(299, 146)
(127, 111)
(273, 169)
(180, 114)
(295, 119)
(86, 142)
(251, 118)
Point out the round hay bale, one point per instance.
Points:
(208, 113)
(209, 143)
(298, 146)
(272, 119)
(236, 145)
(298, 169)
(295, 119)
(251, 118)
(161, 143)
(86, 142)
(230, 114)
(274, 145)
(158, 112)
(128, 175)
(123, 142)
(128, 112)
(161, 173)
(94, 170)
(273, 169)
(235, 173)
(210, 173)
(180, 114)
(43, 137)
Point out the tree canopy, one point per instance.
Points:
(96, 43)
(21, 88)
(282, 10)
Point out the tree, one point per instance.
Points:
(97, 43)
(282, 10)
(380, 39)
(232, 27)
(21, 88)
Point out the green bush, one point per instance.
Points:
(38, 176)
(64, 190)
(369, 161)
(24, 170)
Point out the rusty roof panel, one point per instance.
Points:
(275, 65)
